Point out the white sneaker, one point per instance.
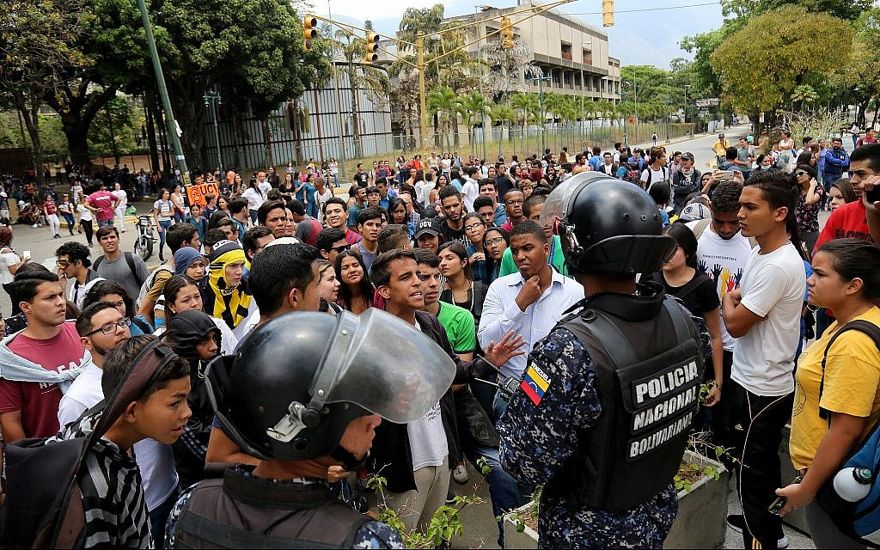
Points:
(460, 474)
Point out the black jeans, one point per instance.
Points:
(88, 229)
(723, 415)
(762, 418)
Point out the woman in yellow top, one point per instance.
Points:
(846, 279)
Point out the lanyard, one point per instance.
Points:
(552, 251)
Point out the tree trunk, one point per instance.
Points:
(267, 142)
(32, 124)
(355, 113)
(151, 132)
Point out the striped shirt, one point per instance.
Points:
(112, 493)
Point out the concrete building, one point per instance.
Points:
(574, 55)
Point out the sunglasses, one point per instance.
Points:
(341, 248)
(800, 173)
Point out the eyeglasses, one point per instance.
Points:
(472, 226)
(62, 263)
(494, 241)
(341, 248)
(800, 173)
(515, 202)
(110, 328)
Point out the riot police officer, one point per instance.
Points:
(303, 403)
(601, 415)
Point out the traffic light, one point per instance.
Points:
(371, 48)
(310, 32)
(506, 33)
(607, 13)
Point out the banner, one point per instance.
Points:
(196, 193)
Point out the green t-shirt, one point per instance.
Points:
(556, 259)
(460, 327)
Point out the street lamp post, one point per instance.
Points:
(687, 88)
(171, 124)
(212, 100)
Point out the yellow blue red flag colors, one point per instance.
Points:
(535, 383)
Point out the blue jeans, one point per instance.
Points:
(105, 223)
(253, 214)
(164, 225)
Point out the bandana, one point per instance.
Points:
(229, 304)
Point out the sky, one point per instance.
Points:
(637, 38)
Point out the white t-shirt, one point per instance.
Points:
(253, 197)
(470, 191)
(265, 187)
(164, 210)
(772, 287)
(427, 439)
(122, 197)
(724, 262)
(156, 461)
(650, 176)
(85, 214)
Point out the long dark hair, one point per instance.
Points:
(685, 239)
(490, 261)
(105, 287)
(172, 288)
(366, 285)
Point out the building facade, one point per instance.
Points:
(573, 56)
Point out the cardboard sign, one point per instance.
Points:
(196, 193)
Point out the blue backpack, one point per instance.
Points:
(861, 519)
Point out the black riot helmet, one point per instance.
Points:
(296, 382)
(607, 225)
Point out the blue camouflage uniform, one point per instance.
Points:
(540, 432)
(372, 534)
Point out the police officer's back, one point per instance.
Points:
(602, 414)
(302, 403)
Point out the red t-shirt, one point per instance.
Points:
(50, 207)
(848, 221)
(38, 403)
(103, 201)
(352, 237)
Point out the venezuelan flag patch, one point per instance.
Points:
(534, 383)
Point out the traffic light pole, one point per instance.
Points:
(171, 124)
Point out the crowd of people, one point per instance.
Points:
(475, 256)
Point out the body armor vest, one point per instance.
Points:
(647, 354)
(247, 512)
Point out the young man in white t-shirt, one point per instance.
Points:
(764, 315)
(101, 329)
(656, 171)
(722, 253)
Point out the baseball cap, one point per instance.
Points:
(695, 211)
(687, 156)
(427, 225)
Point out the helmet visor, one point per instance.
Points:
(384, 365)
(557, 204)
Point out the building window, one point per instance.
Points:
(566, 51)
(588, 57)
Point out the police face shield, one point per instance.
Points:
(383, 365)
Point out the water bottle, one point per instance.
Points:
(853, 484)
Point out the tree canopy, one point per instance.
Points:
(758, 79)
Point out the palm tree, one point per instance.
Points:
(474, 107)
(374, 80)
(503, 114)
(445, 104)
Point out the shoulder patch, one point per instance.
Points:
(535, 383)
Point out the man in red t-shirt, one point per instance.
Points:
(102, 203)
(41, 361)
(851, 220)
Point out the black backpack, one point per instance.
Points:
(129, 259)
(43, 507)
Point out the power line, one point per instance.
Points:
(666, 8)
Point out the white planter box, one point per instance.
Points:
(700, 523)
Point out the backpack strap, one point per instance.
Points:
(129, 259)
(700, 227)
(865, 327)
(97, 262)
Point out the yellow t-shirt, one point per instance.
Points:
(720, 147)
(852, 386)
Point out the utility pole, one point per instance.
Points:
(171, 124)
(212, 100)
(541, 80)
(342, 154)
